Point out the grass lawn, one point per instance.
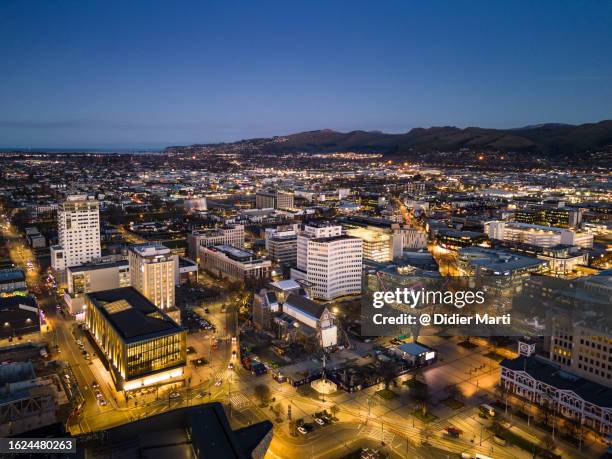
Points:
(413, 383)
(427, 417)
(453, 403)
(386, 394)
(495, 356)
(468, 344)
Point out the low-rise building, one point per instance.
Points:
(543, 382)
(141, 343)
(19, 316)
(12, 281)
(541, 236)
(232, 262)
(102, 274)
(223, 235)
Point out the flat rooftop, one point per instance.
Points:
(341, 237)
(12, 275)
(132, 315)
(234, 252)
(150, 248)
(101, 265)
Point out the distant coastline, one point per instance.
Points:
(109, 151)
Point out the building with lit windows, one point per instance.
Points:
(152, 273)
(561, 217)
(102, 274)
(566, 394)
(237, 264)
(455, 239)
(12, 282)
(541, 236)
(274, 200)
(377, 245)
(78, 225)
(330, 261)
(224, 235)
(141, 343)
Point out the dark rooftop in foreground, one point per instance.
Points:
(133, 315)
(201, 431)
(553, 375)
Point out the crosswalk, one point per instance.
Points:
(377, 434)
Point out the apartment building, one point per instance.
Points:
(152, 273)
(78, 221)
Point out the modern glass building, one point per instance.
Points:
(142, 344)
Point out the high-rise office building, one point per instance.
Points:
(558, 216)
(78, 222)
(330, 261)
(152, 267)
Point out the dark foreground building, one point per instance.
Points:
(198, 432)
(19, 315)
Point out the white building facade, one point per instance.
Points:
(78, 222)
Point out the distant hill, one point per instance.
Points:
(554, 141)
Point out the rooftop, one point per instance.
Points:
(150, 249)
(306, 305)
(551, 374)
(100, 265)
(197, 432)
(413, 348)
(132, 315)
(11, 275)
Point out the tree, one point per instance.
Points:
(262, 392)
(420, 394)
(546, 410)
(387, 372)
(548, 442)
(453, 391)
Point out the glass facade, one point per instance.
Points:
(154, 355)
(136, 358)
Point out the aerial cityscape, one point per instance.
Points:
(303, 258)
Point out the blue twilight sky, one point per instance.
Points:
(148, 73)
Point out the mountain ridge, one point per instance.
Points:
(550, 140)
